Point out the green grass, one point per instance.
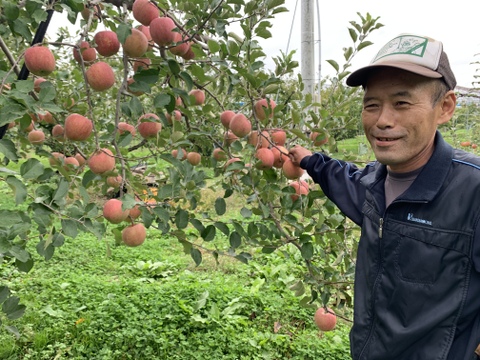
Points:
(151, 302)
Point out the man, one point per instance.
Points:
(417, 280)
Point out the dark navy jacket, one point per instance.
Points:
(417, 279)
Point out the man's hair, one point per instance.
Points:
(439, 89)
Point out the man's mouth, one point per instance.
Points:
(386, 139)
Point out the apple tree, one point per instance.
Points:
(123, 127)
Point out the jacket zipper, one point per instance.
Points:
(374, 290)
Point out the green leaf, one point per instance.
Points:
(96, 228)
(235, 240)
(174, 67)
(307, 250)
(10, 218)
(364, 45)
(263, 33)
(31, 169)
(209, 233)
(233, 48)
(187, 78)
(123, 31)
(299, 288)
(19, 253)
(181, 219)
(334, 64)
(246, 213)
(196, 255)
(4, 293)
(149, 76)
(274, 3)
(24, 266)
(222, 227)
(19, 188)
(11, 11)
(47, 93)
(135, 106)
(197, 224)
(353, 34)
(13, 330)
(88, 177)
(162, 214)
(161, 100)
(20, 27)
(8, 148)
(220, 206)
(69, 228)
(12, 308)
(213, 46)
(62, 190)
(45, 249)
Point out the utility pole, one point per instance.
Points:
(307, 47)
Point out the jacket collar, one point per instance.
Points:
(429, 181)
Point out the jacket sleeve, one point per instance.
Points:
(340, 181)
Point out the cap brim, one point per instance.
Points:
(360, 76)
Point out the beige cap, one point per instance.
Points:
(418, 54)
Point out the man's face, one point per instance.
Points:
(400, 119)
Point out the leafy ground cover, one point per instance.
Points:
(96, 300)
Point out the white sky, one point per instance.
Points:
(455, 23)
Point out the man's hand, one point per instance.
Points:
(297, 153)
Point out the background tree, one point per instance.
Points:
(173, 99)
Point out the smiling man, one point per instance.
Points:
(417, 280)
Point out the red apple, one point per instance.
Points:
(36, 137)
(226, 116)
(292, 171)
(37, 82)
(136, 44)
(161, 30)
(86, 52)
(39, 60)
(123, 126)
(318, 139)
(181, 46)
(219, 155)
(198, 95)
(107, 43)
(149, 129)
(260, 107)
(301, 188)
(134, 235)
(77, 127)
(101, 161)
(325, 319)
(240, 125)
(279, 137)
(194, 158)
(265, 158)
(113, 212)
(145, 11)
(100, 76)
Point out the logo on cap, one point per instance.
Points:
(405, 45)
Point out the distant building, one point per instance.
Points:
(467, 96)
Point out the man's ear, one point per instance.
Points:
(448, 104)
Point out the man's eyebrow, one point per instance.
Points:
(397, 94)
